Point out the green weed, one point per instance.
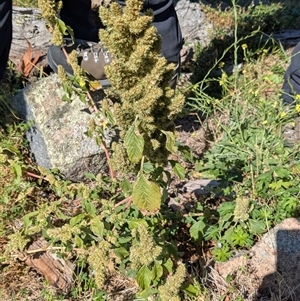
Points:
(93, 226)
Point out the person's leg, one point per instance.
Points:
(176, 61)
(77, 13)
(291, 85)
(291, 88)
(5, 33)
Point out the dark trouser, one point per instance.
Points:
(291, 85)
(5, 33)
(176, 61)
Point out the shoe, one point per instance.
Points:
(291, 134)
(186, 54)
(76, 14)
(92, 57)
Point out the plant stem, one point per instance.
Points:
(235, 43)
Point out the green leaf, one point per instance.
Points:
(89, 207)
(171, 249)
(192, 290)
(135, 222)
(121, 252)
(17, 170)
(274, 78)
(197, 229)
(170, 143)
(76, 219)
(78, 241)
(63, 28)
(226, 208)
(124, 240)
(157, 270)
(257, 226)
(144, 277)
(228, 234)
(281, 172)
(222, 253)
(168, 265)
(279, 184)
(148, 167)
(97, 226)
(27, 219)
(134, 143)
(146, 195)
(126, 187)
(89, 175)
(178, 169)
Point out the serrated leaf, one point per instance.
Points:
(144, 277)
(146, 195)
(197, 230)
(134, 144)
(170, 143)
(257, 226)
(282, 172)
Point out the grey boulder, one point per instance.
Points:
(57, 133)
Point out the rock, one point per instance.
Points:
(272, 267)
(56, 137)
(28, 27)
(201, 187)
(204, 187)
(194, 25)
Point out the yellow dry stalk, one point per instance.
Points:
(17, 242)
(98, 258)
(50, 10)
(145, 251)
(170, 290)
(64, 233)
(241, 209)
(140, 79)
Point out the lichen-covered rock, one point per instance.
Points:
(57, 136)
(194, 25)
(270, 269)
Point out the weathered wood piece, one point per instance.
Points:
(56, 270)
(28, 26)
